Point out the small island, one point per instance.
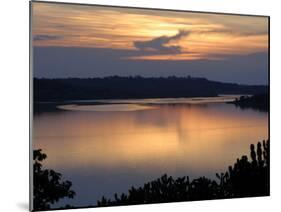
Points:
(258, 101)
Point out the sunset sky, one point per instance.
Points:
(90, 41)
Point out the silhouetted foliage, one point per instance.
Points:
(48, 186)
(259, 102)
(245, 179)
(249, 178)
(116, 87)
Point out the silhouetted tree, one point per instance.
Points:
(259, 102)
(48, 185)
(246, 178)
(249, 178)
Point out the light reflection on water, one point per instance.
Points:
(106, 107)
(107, 152)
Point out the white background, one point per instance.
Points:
(14, 94)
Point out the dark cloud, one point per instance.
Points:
(47, 37)
(159, 43)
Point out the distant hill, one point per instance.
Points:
(116, 87)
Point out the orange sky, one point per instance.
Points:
(158, 33)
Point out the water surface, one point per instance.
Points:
(107, 148)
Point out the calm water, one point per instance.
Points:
(105, 149)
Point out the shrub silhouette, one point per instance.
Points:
(48, 186)
(259, 102)
(246, 178)
(249, 178)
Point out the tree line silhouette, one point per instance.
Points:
(116, 87)
(259, 102)
(246, 178)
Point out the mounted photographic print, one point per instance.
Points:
(139, 106)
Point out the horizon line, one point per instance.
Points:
(146, 77)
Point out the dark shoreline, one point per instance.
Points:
(258, 102)
(116, 87)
